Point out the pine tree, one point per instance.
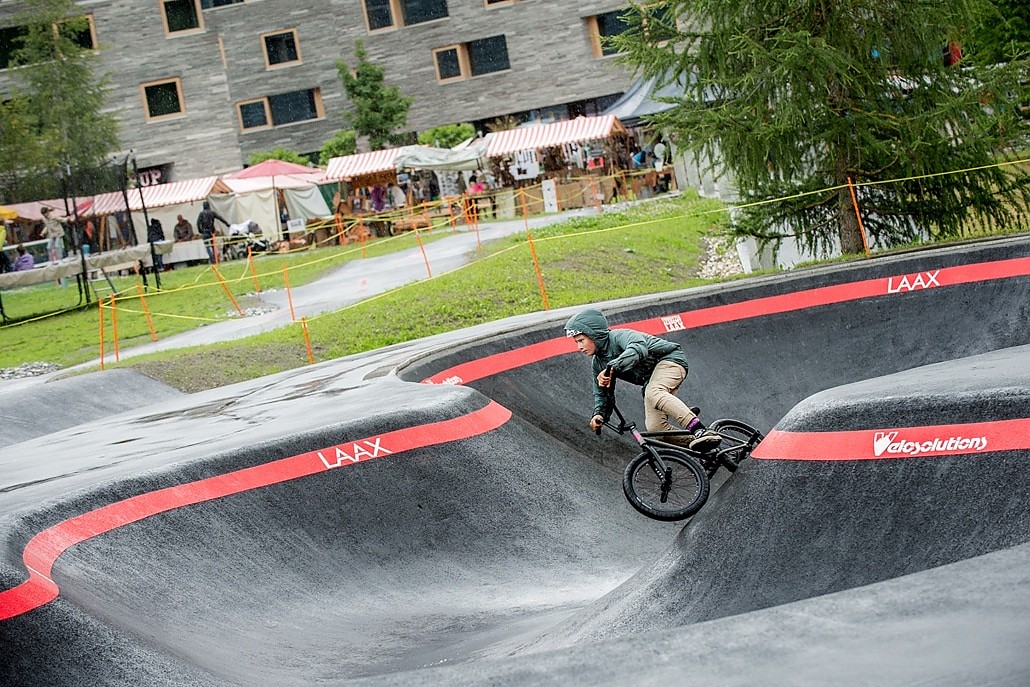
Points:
(793, 99)
(379, 111)
(68, 130)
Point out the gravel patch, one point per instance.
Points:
(28, 370)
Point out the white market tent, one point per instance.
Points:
(467, 158)
(256, 192)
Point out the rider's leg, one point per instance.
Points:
(661, 403)
(660, 400)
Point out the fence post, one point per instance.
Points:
(539, 274)
(289, 295)
(422, 246)
(307, 340)
(858, 216)
(225, 287)
(100, 309)
(114, 329)
(146, 312)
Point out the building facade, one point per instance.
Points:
(199, 85)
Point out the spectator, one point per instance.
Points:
(125, 237)
(5, 262)
(476, 186)
(396, 196)
(284, 221)
(155, 232)
(53, 231)
(206, 227)
(183, 229)
(434, 187)
(378, 198)
(24, 261)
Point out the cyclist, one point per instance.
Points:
(656, 364)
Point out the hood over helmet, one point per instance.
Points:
(590, 322)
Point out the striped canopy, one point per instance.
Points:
(362, 164)
(556, 134)
(159, 195)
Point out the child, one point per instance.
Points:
(654, 363)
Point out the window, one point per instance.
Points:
(474, 58)
(419, 11)
(163, 99)
(658, 22)
(488, 55)
(280, 47)
(603, 26)
(293, 107)
(254, 114)
(385, 14)
(448, 63)
(208, 4)
(496, 3)
(10, 42)
(81, 31)
(378, 14)
(284, 108)
(181, 15)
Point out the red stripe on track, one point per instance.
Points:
(43, 549)
(893, 285)
(901, 442)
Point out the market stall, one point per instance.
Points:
(565, 155)
(261, 192)
(164, 202)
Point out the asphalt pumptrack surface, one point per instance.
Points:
(438, 513)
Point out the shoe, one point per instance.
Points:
(705, 440)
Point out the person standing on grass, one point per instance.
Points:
(53, 231)
(206, 227)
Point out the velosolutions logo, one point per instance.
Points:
(890, 444)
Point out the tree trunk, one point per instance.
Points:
(848, 232)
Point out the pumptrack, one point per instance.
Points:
(438, 512)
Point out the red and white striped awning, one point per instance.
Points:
(158, 195)
(361, 164)
(556, 134)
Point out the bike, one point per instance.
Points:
(671, 482)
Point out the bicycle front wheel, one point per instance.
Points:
(674, 496)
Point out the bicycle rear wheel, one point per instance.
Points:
(739, 438)
(683, 495)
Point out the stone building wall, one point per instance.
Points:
(549, 48)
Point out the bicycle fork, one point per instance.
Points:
(662, 471)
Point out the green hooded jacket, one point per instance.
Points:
(631, 354)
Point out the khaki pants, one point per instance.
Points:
(660, 401)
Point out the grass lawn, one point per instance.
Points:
(51, 327)
(648, 248)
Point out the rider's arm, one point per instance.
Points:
(633, 345)
(603, 398)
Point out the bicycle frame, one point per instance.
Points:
(648, 439)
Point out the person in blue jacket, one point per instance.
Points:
(656, 364)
